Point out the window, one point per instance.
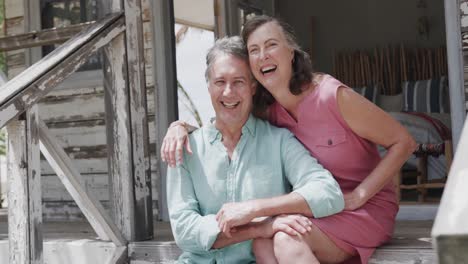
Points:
(62, 13)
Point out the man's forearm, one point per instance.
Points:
(243, 233)
(292, 203)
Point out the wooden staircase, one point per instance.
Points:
(119, 35)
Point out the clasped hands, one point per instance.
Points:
(233, 215)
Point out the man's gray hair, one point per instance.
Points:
(226, 45)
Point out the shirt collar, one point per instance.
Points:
(214, 134)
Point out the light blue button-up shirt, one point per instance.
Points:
(266, 162)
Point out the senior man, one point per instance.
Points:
(245, 166)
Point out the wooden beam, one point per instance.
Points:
(27, 88)
(24, 191)
(120, 256)
(72, 180)
(194, 24)
(165, 82)
(139, 124)
(455, 68)
(119, 141)
(423, 185)
(41, 38)
(32, 22)
(452, 249)
(34, 185)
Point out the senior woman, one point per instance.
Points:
(338, 127)
(243, 166)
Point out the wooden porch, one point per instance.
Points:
(124, 235)
(77, 242)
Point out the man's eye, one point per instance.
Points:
(219, 83)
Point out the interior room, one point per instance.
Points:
(394, 54)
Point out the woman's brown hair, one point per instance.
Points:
(301, 65)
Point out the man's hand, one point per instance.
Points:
(234, 214)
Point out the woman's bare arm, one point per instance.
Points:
(175, 139)
(372, 123)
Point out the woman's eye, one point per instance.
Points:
(253, 51)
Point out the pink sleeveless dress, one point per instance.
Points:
(350, 158)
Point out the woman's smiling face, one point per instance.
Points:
(270, 56)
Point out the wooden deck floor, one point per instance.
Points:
(76, 242)
(411, 243)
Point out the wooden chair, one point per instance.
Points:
(422, 182)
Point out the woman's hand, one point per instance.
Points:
(234, 214)
(293, 225)
(354, 200)
(172, 145)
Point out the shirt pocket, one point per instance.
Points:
(330, 139)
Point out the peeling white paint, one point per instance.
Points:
(464, 21)
(464, 8)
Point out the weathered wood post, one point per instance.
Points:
(24, 190)
(165, 85)
(127, 128)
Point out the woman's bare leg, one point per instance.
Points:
(292, 248)
(314, 247)
(263, 251)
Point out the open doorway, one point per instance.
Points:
(394, 54)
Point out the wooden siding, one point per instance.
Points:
(75, 115)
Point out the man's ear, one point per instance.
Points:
(254, 86)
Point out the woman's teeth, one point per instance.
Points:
(268, 69)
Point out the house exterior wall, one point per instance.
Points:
(74, 112)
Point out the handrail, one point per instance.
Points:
(42, 37)
(450, 222)
(27, 88)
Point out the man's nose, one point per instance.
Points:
(228, 89)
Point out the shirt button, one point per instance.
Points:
(330, 142)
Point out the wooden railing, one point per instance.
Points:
(41, 38)
(450, 230)
(120, 36)
(23, 91)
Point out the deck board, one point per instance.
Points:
(411, 242)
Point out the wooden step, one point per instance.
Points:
(167, 252)
(70, 251)
(411, 243)
(76, 242)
